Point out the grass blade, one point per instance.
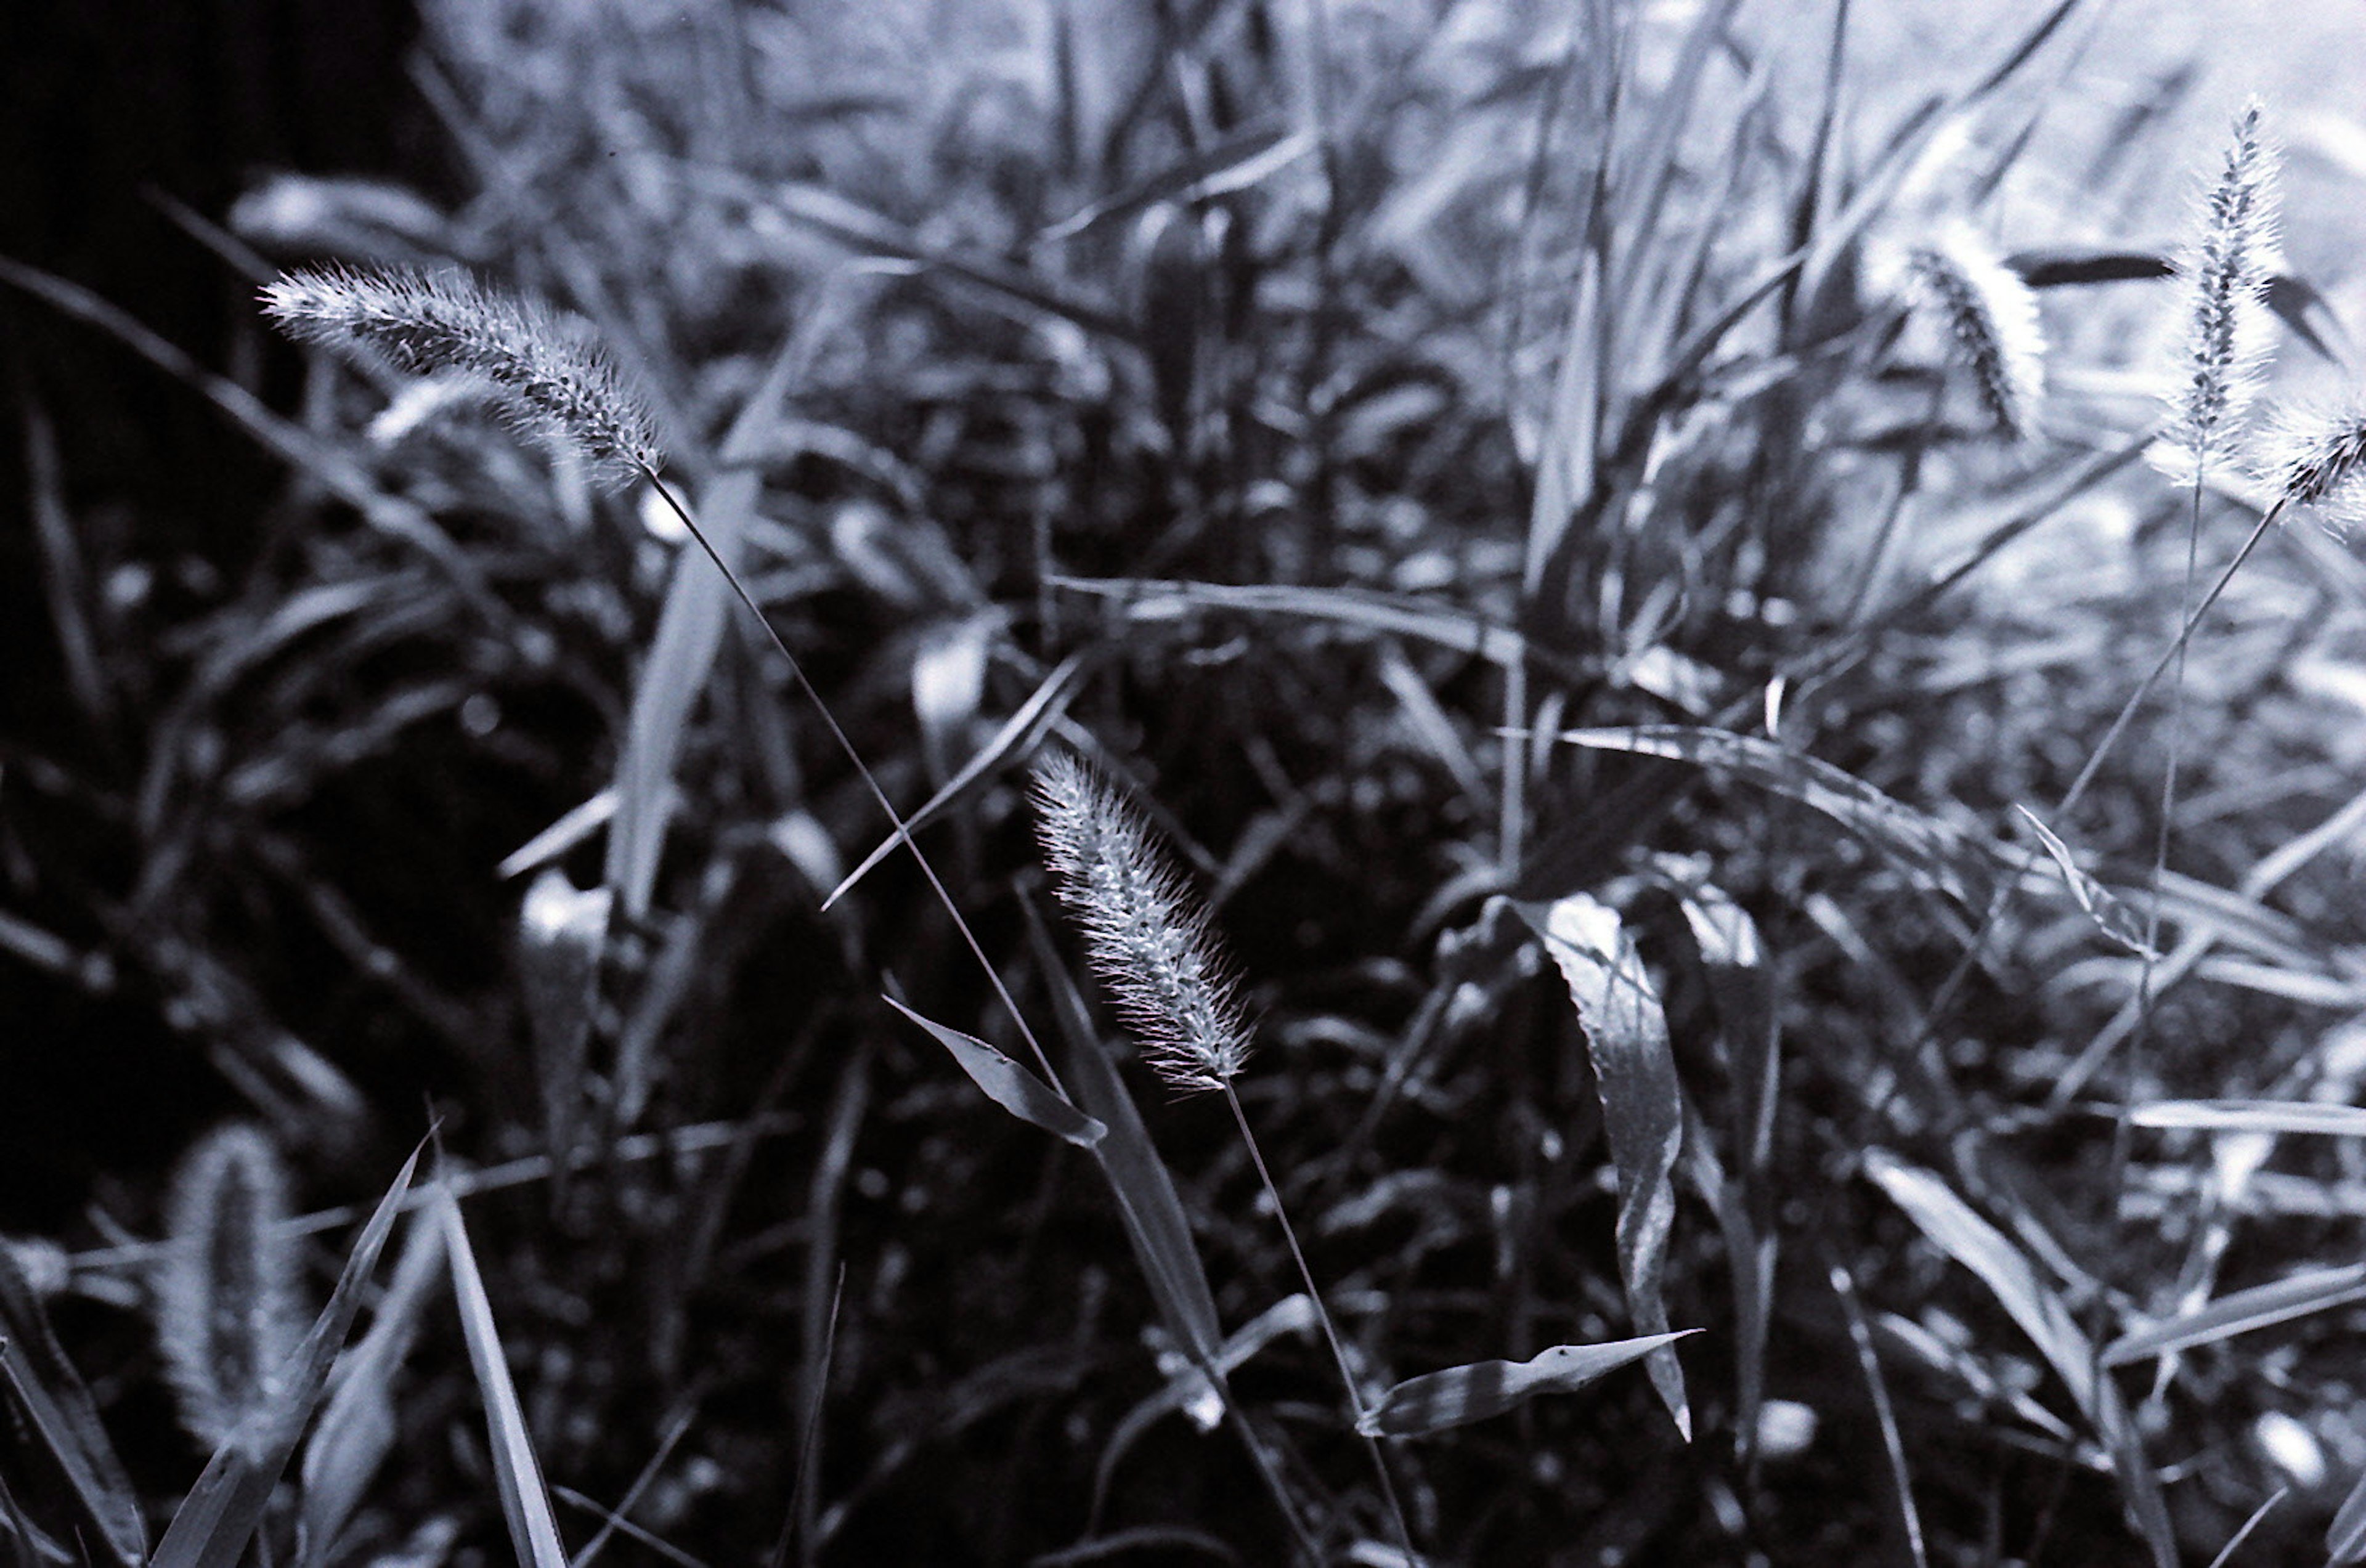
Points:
(2253, 1116)
(690, 631)
(1435, 1400)
(1952, 1226)
(1011, 1085)
(526, 1502)
(1045, 707)
(1933, 853)
(64, 1420)
(2243, 1310)
(217, 1519)
(1642, 1109)
(1146, 1200)
(358, 1427)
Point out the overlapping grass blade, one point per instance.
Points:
(690, 631)
(1044, 707)
(217, 1519)
(526, 1502)
(1435, 1400)
(49, 1396)
(2242, 1311)
(1935, 854)
(1147, 1202)
(357, 1428)
(1642, 1109)
(1011, 1085)
(1956, 1230)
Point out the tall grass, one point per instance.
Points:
(1591, 631)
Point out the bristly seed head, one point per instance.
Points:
(543, 371)
(2225, 270)
(1991, 317)
(2317, 459)
(1150, 945)
(225, 1300)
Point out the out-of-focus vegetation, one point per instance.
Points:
(1482, 478)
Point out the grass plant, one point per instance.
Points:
(1703, 742)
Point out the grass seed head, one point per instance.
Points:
(1147, 941)
(541, 369)
(1992, 319)
(2225, 271)
(225, 1298)
(2316, 459)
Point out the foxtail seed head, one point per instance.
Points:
(1147, 941)
(2225, 275)
(225, 1298)
(544, 373)
(2317, 459)
(1992, 319)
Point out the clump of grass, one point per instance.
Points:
(1152, 949)
(1991, 320)
(225, 1299)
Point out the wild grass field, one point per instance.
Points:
(1260, 780)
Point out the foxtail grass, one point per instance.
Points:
(1151, 947)
(1991, 320)
(225, 1297)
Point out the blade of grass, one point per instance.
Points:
(2253, 1116)
(1642, 1111)
(2316, 1289)
(357, 1426)
(1435, 1400)
(1952, 1226)
(525, 1501)
(1011, 1085)
(63, 1418)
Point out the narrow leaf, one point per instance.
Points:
(357, 1428)
(1627, 1037)
(526, 1502)
(1956, 1230)
(1438, 1400)
(1011, 1085)
(2242, 1311)
(1146, 1200)
(1929, 850)
(690, 630)
(2253, 1116)
(1045, 707)
(217, 1519)
(63, 1418)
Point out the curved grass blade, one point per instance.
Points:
(1011, 1085)
(526, 1502)
(358, 1427)
(1642, 1108)
(1146, 1200)
(1435, 1400)
(64, 1420)
(1956, 1230)
(2253, 1116)
(2242, 1311)
(1045, 707)
(1927, 849)
(217, 1519)
(690, 632)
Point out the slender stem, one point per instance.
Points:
(1330, 1329)
(870, 780)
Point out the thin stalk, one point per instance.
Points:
(1323, 1317)
(870, 780)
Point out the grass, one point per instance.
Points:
(1787, 896)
